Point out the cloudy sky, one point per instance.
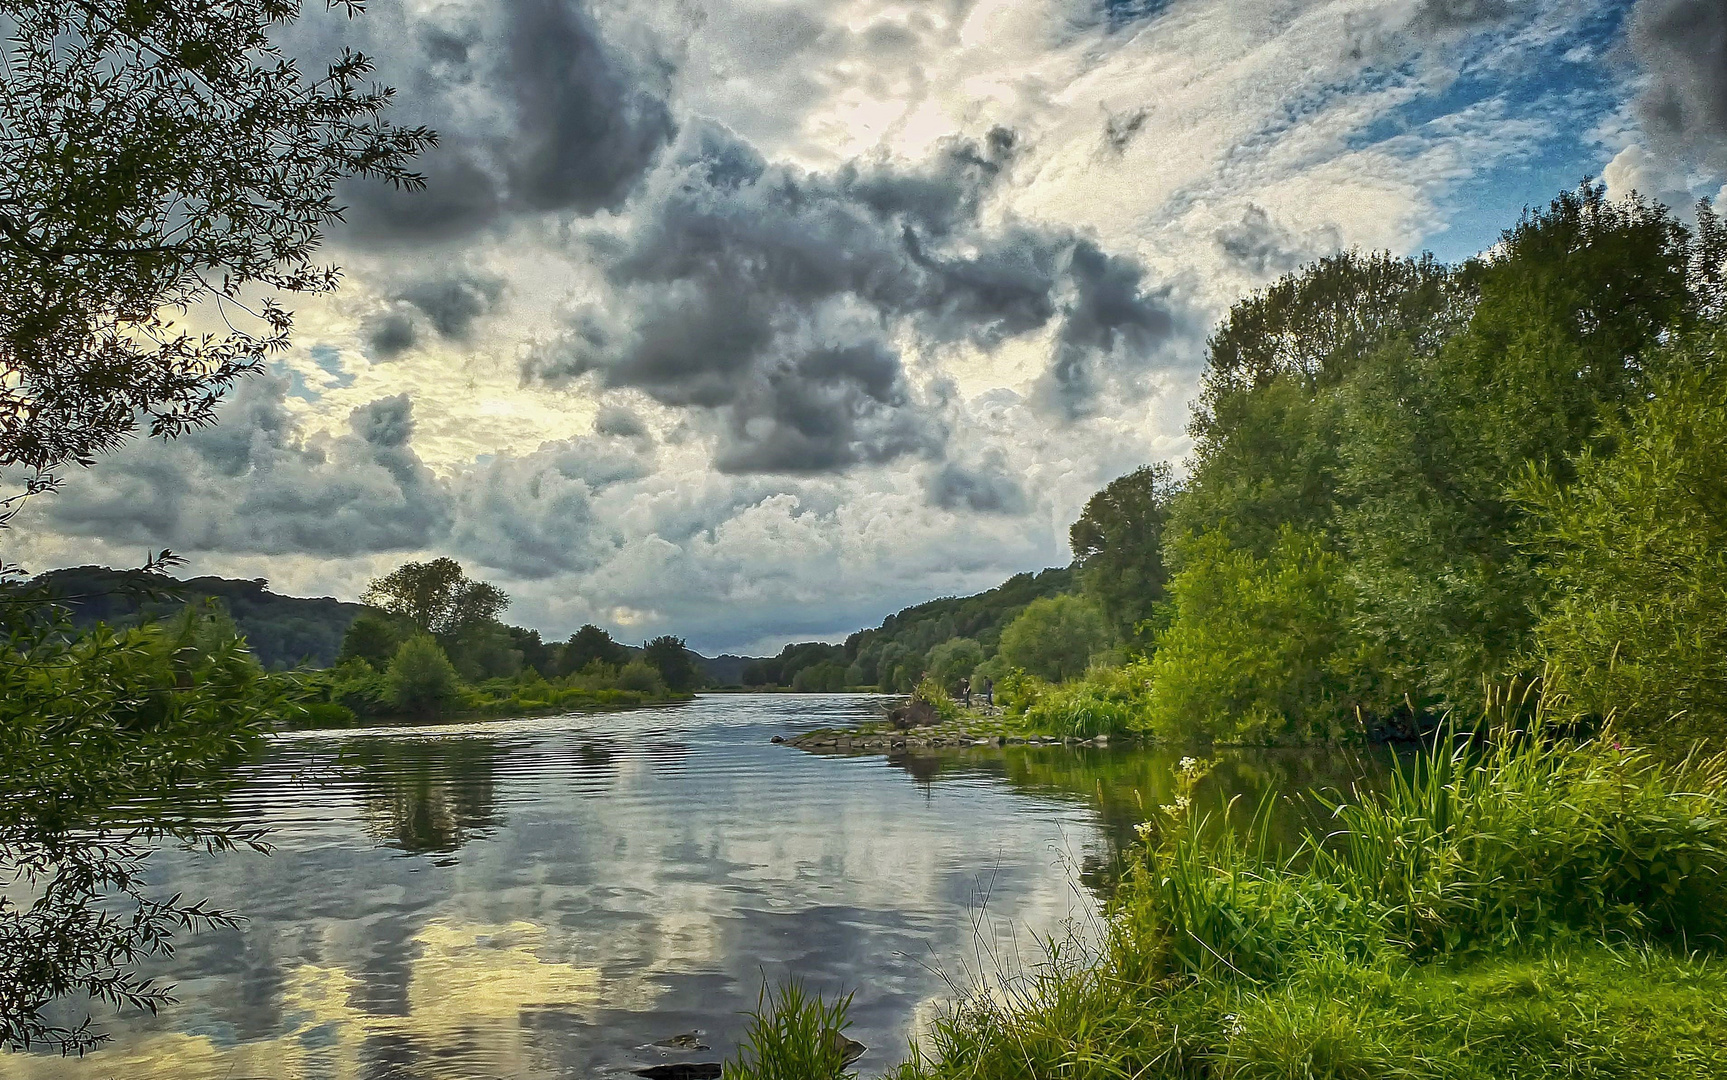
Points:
(757, 320)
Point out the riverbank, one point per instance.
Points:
(321, 716)
(1523, 911)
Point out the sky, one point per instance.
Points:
(754, 321)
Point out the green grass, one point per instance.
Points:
(793, 1035)
(1528, 909)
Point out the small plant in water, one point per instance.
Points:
(795, 1035)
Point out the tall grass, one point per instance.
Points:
(794, 1035)
(1524, 908)
(1108, 701)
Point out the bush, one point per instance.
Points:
(1256, 649)
(1108, 701)
(1055, 638)
(641, 677)
(421, 680)
(1636, 553)
(955, 659)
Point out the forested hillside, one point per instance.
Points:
(282, 631)
(895, 655)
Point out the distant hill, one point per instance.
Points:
(725, 669)
(891, 654)
(283, 631)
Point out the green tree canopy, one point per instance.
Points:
(373, 638)
(1635, 555)
(1118, 543)
(421, 679)
(1055, 637)
(954, 659)
(438, 596)
(667, 655)
(588, 644)
(155, 156)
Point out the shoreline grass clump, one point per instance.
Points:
(795, 1035)
(1523, 909)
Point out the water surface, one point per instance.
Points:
(546, 898)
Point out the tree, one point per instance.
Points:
(954, 659)
(158, 156)
(1635, 555)
(485, 650)
(101, 735)
(1256, 650)
(438, 596)
(1118, 543)
(372, 638)
(668, 656)
(421, 679)
(1055, 637)
(589, 644)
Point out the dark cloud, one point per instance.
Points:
(587, 132)
(1682, 44)
(987, 488)
(453, 303)
(1112, 326)
(1259, 245)
(536, 112)
(774, 297)
(620, 423)
(390, 335)
(254, 484)
(1444, 15)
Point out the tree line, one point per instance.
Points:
(1418, 490)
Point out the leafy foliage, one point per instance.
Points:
(1256, 652)
(1636, 560)
(156, 156)
(421, 680)
(97, 731)
(1055, 637)
(437, 596)
(1118, 545)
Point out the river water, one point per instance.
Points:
(549, 897)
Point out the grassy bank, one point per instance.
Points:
(1521, 910)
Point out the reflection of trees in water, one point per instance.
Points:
(1125, 786)
(427, 795)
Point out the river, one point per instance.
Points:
(548, 897)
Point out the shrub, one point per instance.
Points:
(955, 659)
(1055, 637)
(1108, 701)
(640, 676)
(1256, 646)
(421, 680)
(1636, 554)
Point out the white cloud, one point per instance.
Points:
(1208, 149)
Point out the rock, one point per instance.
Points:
(850, 1049)
(688, 1041)
(684, 1070)
(914, 713)
(1101, 740)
